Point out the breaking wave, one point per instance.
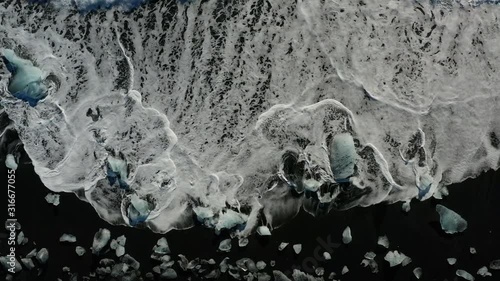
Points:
(235, 115)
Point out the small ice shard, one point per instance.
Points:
(223, 265)
(406, 206)
(282, 246)
(101, 239)
(483, 271)
(440, 193)
(230, 219)
(319, 271)
(297, 248)
(417, 272)
(495, 265)
(260, 265)
(342, 156)
(162, 247)
(169, 273)
(31, 254)
(42, 256)
(183, 262)
(28, 263)
(20, 238)
(370, 255)
(383, 241)
(394, 258)
(52, 199)
(67, 238)
(327, 256)
(263, 231)
(120, 251)
(371, 263)
(346, 235)
(473, 250)
(452, 261)
(80, 251)
(225, 245)
(138, 210)
(131, 261)
(66, 269)
(465, 275)
(406, 261)
(243, 242)
(10, 162)
(451, 222)
(331, 276)
(272, 263)
(121, 240)
(345, 269)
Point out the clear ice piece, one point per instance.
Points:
(263, 231)
(465, 275)
(418, 272)
(451, 222)
(67, 238)
(383, 241)
(282, 246)
(346, 235)
(225, 245)
(297, 248)
(101, 239)
(52, 199)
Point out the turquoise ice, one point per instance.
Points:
(451, 222)
(27, 80)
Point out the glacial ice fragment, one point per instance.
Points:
(10, 162)
(418, 272)
(223, 266)
(495, 264)
(67, 238)
(20, 238)
(263, 231)
(451, 222)
(28, 263)
(371, 263)
(346, 235)
(26, 82)
(451, 261)
(242, 241)
(161, 246)
(225, 245)
(406, 206)
(282, 246)
(117, 172)
(297, 248)
(42, 256)
(52, 199)
(260, 265)
(128, 259)
(483, 271)
(229, 219)
(370, 255)
(101, 239)
(343, 157)
(394, 258)
(138, 210)
(320, 271)
(80, 251)
(169, 273)
(464, 274)
(345, 269)
(383, 241)
(327, 256)
(472, 250)
(5, 262)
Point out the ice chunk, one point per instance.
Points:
(383, 241)
(473, 250)
(282, 246)
(319, 271)
(331, 276)
(395, 258)
(43, 256)
(345, 269)
(371, 263)
(342, 156)
(117, 172)
(370, 255)
(26, 82)
(120, 251)
(223, 266)
(101, 239)
(346, 235)
(28, 263)
(20, 238)
(169, 273)
(161, 246)
(495, 265)
(406, 261)
(406, 206)
(138, 210)
(229, 219)
(243, 242)
(418, 272)
(297, 248)
(272, 263)
(52, 199)
(131, 261)
(80, 251)
(327, 256)
(225, 245)
(263, 231)
(260, 265)
(6, 263)
(483, 271)
(451, 261)
(465, 275)
(67, 238)
(10, 162)
(451, 222)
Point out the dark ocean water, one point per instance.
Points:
(416, 234)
